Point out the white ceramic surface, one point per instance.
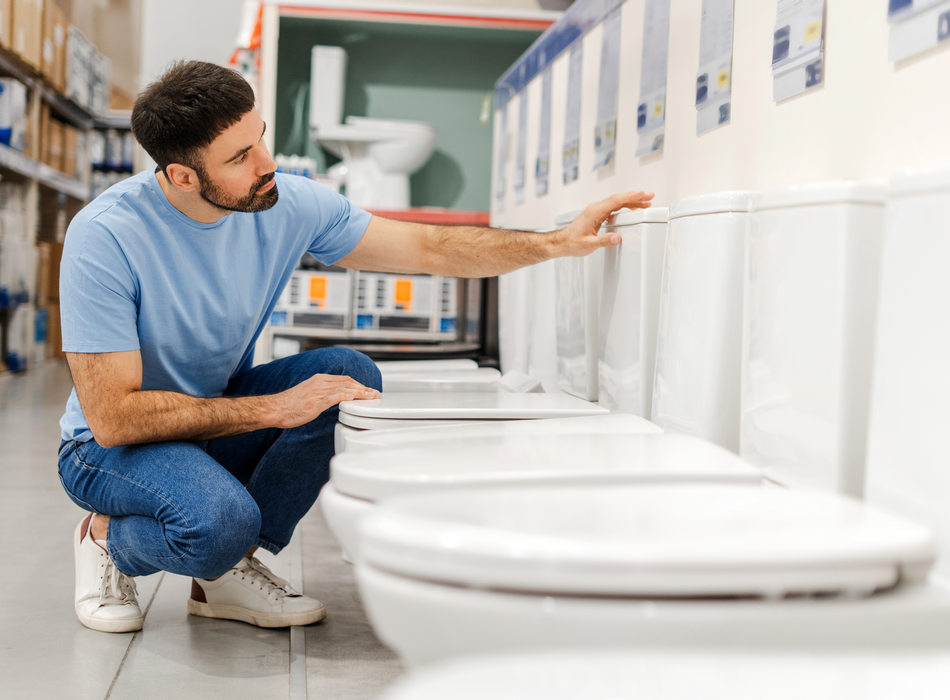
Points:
(629, 311)
(810, 309)
(608, 424)
(659, 675)
(699, 332)
(401, 366)
(577, 300)
(527, 459)
(542, 346)
(467, 406)
(907, 446)
(514, 319)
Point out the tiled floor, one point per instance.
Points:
(46, 653)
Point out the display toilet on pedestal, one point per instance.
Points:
(527, 568)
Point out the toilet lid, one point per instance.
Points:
(387, 366)
(611, 423)
(615, 674)
(500, 405)
(525, 460)
(482, 375)
(681, 540)
(381, 424)
(402, 384)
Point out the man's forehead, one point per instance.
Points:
(241, 134)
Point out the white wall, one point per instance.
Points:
(869, 120)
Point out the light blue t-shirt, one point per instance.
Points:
(137, 274)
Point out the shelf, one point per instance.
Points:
(12, 159)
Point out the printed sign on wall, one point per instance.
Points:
(917, 25)
(572, 121)
(521, 149)
(543, 165)
(651, 109)
(500, 180)
(605, 132)
(714, 78)
(797, 47)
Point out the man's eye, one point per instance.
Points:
(241, 159)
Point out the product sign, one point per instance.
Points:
(572, 123)
(605, 132)
(500, 180)
(917, 26)
(714, 78)
(797, 47)
(543, 164)
(521, 148)
(651, 109)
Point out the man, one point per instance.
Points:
(187, 457)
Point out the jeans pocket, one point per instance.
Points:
(88, 455)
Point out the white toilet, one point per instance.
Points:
(580, 453)
(701, 307)
(713, 566)
(402, 366)
(749, 674)
(630, 309)
(808, 343)
(378, 155)
(577, 304)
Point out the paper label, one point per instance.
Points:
(570, 152)
(543, 163)
(521, 149)
(605, 132)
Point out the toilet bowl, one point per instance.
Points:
(810, 310)
(577, 306)
(697, 392)
(700, 565)
(629, 310)
(378, 155)
(361, 480)
(748, 674)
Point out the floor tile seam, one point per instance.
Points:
(135, 636)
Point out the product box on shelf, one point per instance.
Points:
(49, 257)
(79, 58)
(13, 121)
(69, 150)
(27, 31)
(54, 332)
(54, 46)
(55, 150)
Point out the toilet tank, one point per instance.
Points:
(577, 297)
(327, 84)
(699, 331)
(908, 452)
(542, 342)
(630, 309)
(810, 308)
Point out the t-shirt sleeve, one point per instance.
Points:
(97, 293)
(340, 224)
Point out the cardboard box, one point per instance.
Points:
(27, 31)
(13, 121)
(43, 154)
(55, 144)
(43, 255)
(54, 332)
(6, 23)
(54, 46)
(69, 151)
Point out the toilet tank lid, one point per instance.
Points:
(928, 178)
(719, 203)
(833, 192)
(632, 217)
(567, 218)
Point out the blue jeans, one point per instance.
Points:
(196, 508)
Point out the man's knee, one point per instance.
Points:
(227, 529)
(351, 363)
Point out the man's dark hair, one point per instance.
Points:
(186, 109)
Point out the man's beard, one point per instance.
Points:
(249, 204)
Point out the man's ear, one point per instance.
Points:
(182, 177)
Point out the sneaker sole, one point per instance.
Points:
(131, 624)
(253, 617)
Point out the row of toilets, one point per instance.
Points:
(721, 439)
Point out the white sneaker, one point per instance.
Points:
(252, 593)
(105, 597)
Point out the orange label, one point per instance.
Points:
(403, 291)
(318, 287)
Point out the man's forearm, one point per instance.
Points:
(472, 251)
(158, 416)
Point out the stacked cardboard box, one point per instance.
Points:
(27, 31)
(6, 13)
(55, 26)
(50, 255)
(88, 73)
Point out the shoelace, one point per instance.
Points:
(117, 587)
(268, 580)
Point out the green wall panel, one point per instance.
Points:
(438, 75)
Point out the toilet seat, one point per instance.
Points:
(394, 366)
(361, 480)
(609, 424)
(680, 565)
(500, 405)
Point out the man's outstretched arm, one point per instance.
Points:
(472, 251)
(120, 413)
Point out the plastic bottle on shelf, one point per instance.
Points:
(97, 150)
(281, 161)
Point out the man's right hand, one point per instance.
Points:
(303, 403)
